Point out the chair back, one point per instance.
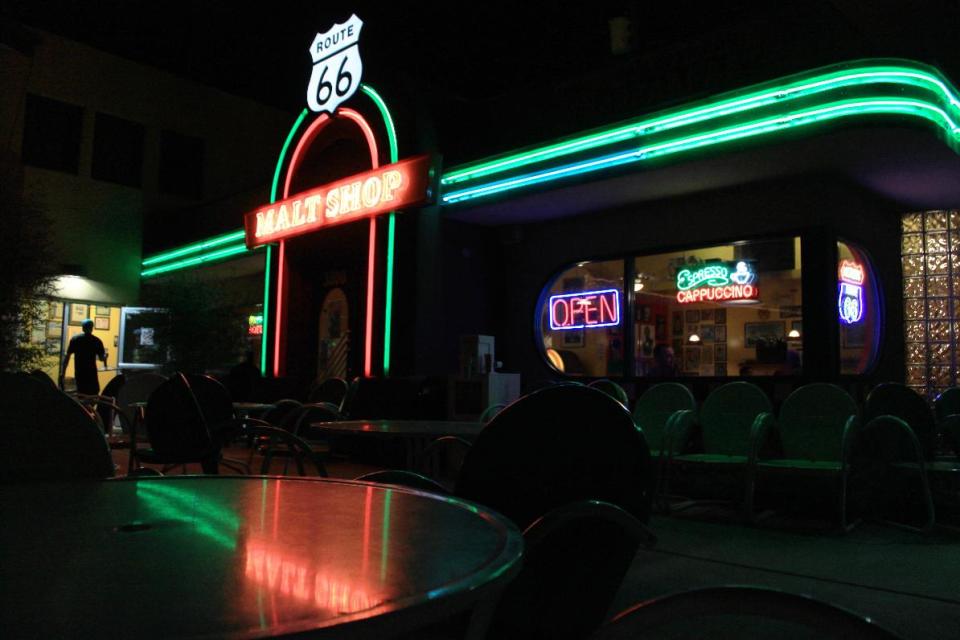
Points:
(491, 411)
(895, 399)
(575, 560)
(657, 405)
(111, 390)
(404, 479)
(727, 416)
(43, 376)
(274, 442)
(283, 414)
(557, 445)
(138, 388)
(175, 422)
(442, 459)
(947, 404)
(812, 421)
(314, 412)
(213, 398)
(332, 390)
(740, 612)
(612, 389)
(47, 435)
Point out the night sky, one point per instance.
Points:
(465, 60)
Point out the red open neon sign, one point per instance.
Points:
(587, 309)
(393, 186)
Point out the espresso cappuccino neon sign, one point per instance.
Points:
(393, 186)
(585, 310)
(718, 282)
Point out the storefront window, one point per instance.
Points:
(858, 310)
(580, 320)
(727, 310)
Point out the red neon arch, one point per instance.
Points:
(305, 140)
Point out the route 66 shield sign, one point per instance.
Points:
(337, 66)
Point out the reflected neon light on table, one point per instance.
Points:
(585, 310)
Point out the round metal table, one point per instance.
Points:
(245, 557)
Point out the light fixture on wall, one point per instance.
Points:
(794, 333)
(694, 337)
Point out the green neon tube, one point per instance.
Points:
(847, 108)
(196, 247)
(196, 260)
(391, 227)
(283, 155)
(782, 92)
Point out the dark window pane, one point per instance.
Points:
(117, 150)
(181, 165)
(51, 134)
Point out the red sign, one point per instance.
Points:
(586, 309)
(393, 186)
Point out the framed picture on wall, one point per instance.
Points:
(692, 316)
(720, 369)
(708, 332)
(706, 355)
(573, 338)
(677, 319)
(720, 352)
(791, 311)
(706, 315)
(720, 316)
(720, 332)
(55, 311)
(78, 313)
(101, 311)
(691, 358)
(769, 332)
(53, 329)
(101, 323)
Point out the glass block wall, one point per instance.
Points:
(930, 252)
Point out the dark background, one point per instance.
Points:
(475, 68)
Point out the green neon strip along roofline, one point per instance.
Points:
(196, 247)
(895, 78)
(847, 108)
(213, 256)
(391, 227)
(842, 109)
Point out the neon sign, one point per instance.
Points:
(337, 66)
(587, 309)
(850, 303)
(717, 282)
(364, 195)
(255, 325)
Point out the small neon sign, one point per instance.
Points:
(852, 275)
(585, 310)
(717, 282)
(255, 325)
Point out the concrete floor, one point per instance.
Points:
(908, 582)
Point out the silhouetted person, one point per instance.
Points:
(88, 348)
(665, 365)
(242, 379)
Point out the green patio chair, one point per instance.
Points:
(726, 424)
(654, 413)
(657, 407)
(946, 408)
(899, 450)
(815, 430)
